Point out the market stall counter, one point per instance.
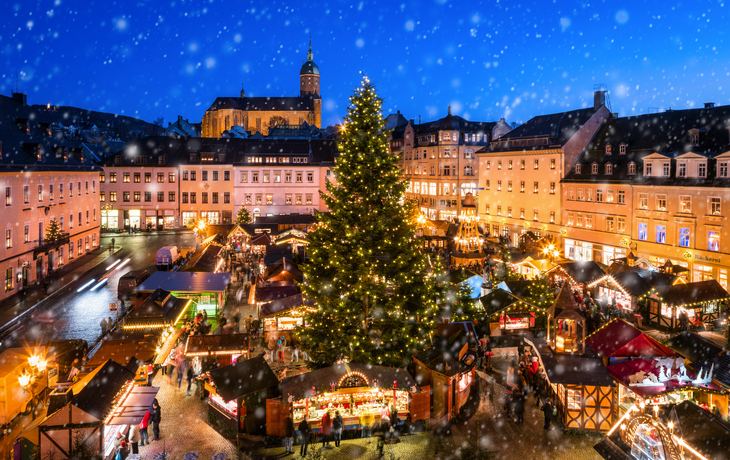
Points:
(360, 392)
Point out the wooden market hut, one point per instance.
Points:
(582, 388)
(122, 347)
(238, 391)
(283, 270)
(93, 411)
(720, 367)
(207, 290)
(566, 326)
(580, 273)
(448, 367)
(204, 259)
(693, 347)
(260, 242)
(224, 348)
(281, 316)
(505, 313)
(158, 311)
(675, 431)
(356, 390)
(669, 304)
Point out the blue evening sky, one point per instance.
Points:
(487, 59)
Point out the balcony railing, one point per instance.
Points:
(44, 247)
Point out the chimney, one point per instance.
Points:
(398, 112)
(20, 97)
(709, 105)
(599, 99)
(419, 119)
(179, 119)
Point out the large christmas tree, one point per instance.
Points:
(376, 299)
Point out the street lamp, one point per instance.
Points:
(27, 380)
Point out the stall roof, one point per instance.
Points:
(651, 277)
(499, 299)
(520, 288)
(222, 343)
(566, 369)
(204, 259)
(609, 449)
(284, 270)
(185, 282)
(262, 239)
(680, 295)
(286, 304)
(161, 305)
(721, 373)
(243, 378)
(563, 301)
(703, 431)
(132, 410)
(619, 339)
(460, 275)
(273, 290)
(97, 396)
(632, 283)
(623, 372)
(693, 347)
(121, 351)
(301, 385)
(584, 271)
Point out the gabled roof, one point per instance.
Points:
(204, 259)
(632, 283)
(693, 347)
(217, 343)
(262, 239)
(583, 271)
(283, 270)
(161, 305)
(721, 372)
(703, 431)
(264, 103)
(244, 378)
(97, 396)
(499, 300)
(284, 305)
(619, 339)
(300, 386)
(273, 290)
(185, 282)
(691, 293)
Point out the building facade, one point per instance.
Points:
(439, 160)
(285, 177)
(660, 190)
(520, 173)
(260, 114)
(43, 178)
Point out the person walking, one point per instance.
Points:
(249, 322)
(326, 428)
(190, 376)
(288, 434)
(294, 352)
(134, 438)
(272, 348)
(144, 435)
(304, 432)
(337, 425)
(548, 410)
(519, 400)
(103, 326)
(112, 243)
(155, 419)
(280, 344)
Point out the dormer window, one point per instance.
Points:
(193, 157)
(609, 168)
(702, 169)
(665, 169)
(647, 169)
(161, 160)
(608, 149)
(578, 168)
(622, 149)
(118, 160)
(694, 137)
(632, 168)
(140, 160)
(594, 168)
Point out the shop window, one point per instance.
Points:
(574, 399)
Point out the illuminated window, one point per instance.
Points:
(715, 206)
(684, 237)
(685, 203)
(661, 234)
(643, 200)
(713, 240)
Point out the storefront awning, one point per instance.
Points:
(132, 410)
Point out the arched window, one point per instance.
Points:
(608, 149)
(256, 212)
(632, 168)
(594, 168)
(609, 168)
(622, 149)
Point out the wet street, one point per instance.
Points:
(77, 315)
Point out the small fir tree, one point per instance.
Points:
(464, 307)
(243, 217)
(376, 298)
(53, 232)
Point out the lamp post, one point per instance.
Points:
(28, 380)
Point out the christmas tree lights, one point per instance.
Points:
(376, 297)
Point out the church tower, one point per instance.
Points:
(309, 85)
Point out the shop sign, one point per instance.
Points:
(707, 258)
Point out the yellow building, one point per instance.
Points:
(520, 173)
(439, 160)
(656, 185)
(260, 114)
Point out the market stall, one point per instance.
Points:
(680, 431)
(672, 307)
(95, 409)
(206, 290)
(720, 376)
(226, 348)
(158, 311)
(281, 316)
(506, 313)
(358, 391)
(618, 340)
(566, 327)
(623, 289)
(579, 274)
(206, 259)
(238, 391)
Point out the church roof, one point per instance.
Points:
(260, 104)
(309, 68)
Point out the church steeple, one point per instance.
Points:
(310, 55)
(243, 91)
